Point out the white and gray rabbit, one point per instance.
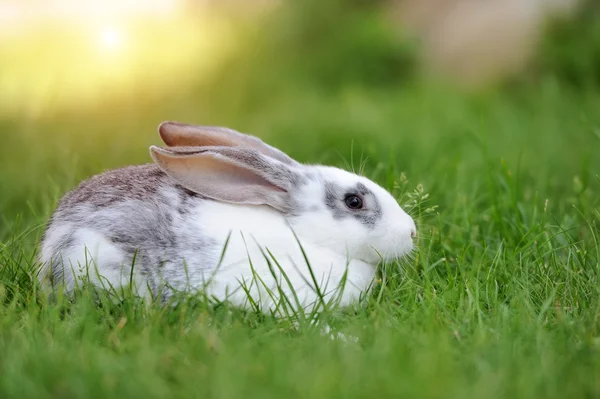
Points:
(164, 225)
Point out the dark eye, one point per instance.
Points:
(353, 201)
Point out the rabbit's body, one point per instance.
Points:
(139, 216)
(165, 226)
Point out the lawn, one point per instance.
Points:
(502, 297)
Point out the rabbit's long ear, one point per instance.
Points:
(230, 174)
(176, 134)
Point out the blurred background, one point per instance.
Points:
(434, 88)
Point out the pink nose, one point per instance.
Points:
(413, 233)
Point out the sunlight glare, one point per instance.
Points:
(68, 53)
(111, 38)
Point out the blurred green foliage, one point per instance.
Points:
(571, 48)
(337, 44)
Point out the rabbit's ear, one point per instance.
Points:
(230, 174)
(176, 134)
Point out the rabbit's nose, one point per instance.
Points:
(413, 232)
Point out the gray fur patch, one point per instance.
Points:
(134, 182)
(334, 200)
(186, 200)
(63, 243)
(144, 213)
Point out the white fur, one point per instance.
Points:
(253, 228)
(86, 257)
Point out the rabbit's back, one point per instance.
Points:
(135, 216)
(141, 182)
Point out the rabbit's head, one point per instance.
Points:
(324, 205)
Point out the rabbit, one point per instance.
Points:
(225, 213)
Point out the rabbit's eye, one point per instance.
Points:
(353, 201)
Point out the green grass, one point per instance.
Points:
(501, 299)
